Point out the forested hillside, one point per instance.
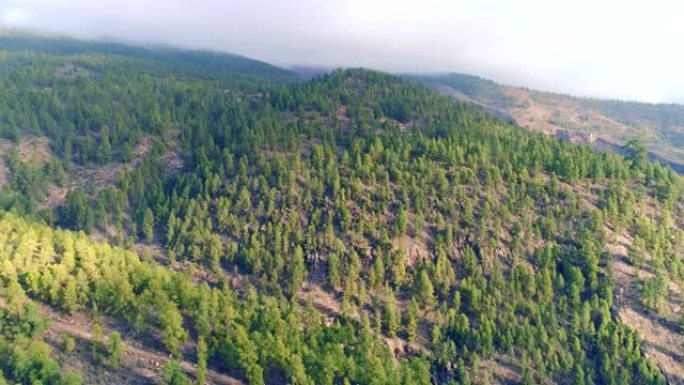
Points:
(604, 123)
(352, 229)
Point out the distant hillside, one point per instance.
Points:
(193, 62)
(606, 123)
(310, 72)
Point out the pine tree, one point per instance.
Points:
(425, 291)
(173, 332)
(105, 153)
(334, 279)
(116, 349)
(297, 272)
(399, 268)
(201, 361)
(148, 225)
(391, 314)
(97, 353)
(444, 273)
(412, 318)
(68, 344)
(173, 375)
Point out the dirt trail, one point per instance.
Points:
(153, 360)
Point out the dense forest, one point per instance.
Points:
(356, 228)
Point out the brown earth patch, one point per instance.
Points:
(503, 369)
(30, 149)
(4, 173)
(417, 249)
(322, 300)
(70, 70)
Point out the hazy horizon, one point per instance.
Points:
(618, 50)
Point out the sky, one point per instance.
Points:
(622, 49)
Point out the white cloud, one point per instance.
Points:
(14, 17)
(615, 48)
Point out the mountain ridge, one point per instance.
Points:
(205, 62)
